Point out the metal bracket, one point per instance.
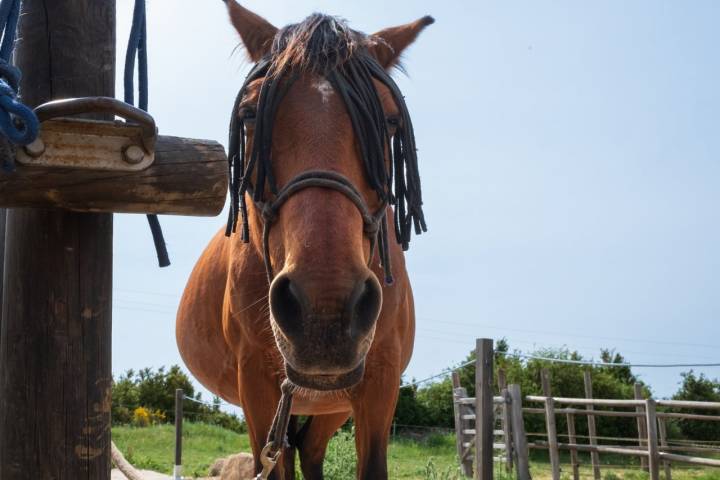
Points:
(92, 144)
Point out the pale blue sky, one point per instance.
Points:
(569, 152)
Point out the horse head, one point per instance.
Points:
(324, 170)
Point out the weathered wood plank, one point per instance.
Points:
(592, 429)
(641, 426)
(662, 431)
(574, 462)
(652, 440)
(189, 177)
(552, 437)
(484, 409)
(460, 424)
(520, 444)
(55, 350)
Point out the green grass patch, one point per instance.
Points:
(430, 457)
(153, 448)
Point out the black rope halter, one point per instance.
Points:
(352, 72)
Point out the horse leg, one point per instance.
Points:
(260, 398)
(373, 414)
(312, 440)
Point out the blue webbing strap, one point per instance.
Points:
(17, 122)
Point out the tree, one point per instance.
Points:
(698, 388)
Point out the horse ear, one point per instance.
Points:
(392, 41)
(257, 34)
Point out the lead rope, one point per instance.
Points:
(18, 123)
(137, 46)
(277, 438)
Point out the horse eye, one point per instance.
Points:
(247, 114)
(393, 121)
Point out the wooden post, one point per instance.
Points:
(552, 437)
(3, 215)
(572, 439)
(179, 397)
(522, 456)
(662, 431)
(592, 430)
(545, 382)
(507, 434)
(459, 409)
(502, 379)
(55, 350)
(484, 409)
(652, 439)
(641, 426)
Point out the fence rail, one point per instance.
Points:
(500, 422)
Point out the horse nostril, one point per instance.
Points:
(285, 305)
(365, 306)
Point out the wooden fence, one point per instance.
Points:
(487, 423)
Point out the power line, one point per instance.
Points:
(555, 333)
(603, 364)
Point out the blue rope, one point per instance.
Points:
(17, 122)
(137, 47)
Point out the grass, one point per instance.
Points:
(153, 448)
(426, 458)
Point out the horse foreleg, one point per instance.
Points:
(373, 411)
(260, 398)
(312, 441)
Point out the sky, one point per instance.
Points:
(569, 156)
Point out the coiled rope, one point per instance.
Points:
(17, 122)
(137, 47)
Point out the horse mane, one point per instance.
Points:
(326, 46)
(318, 44)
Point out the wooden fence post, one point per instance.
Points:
(641, 426)
(55, 350)
(662, 431)
(652, 439)
(484, 409)
(179, 398)
(460, 424)
(573, 441)
(502, 379)
(552, 437)
(522, 456)
(3, 214)
(592, 430)
(507, 434)
(551, 426)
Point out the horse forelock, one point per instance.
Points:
(318, 44)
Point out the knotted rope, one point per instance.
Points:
(17, 122)
(137, 47)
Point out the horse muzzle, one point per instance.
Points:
(324, 341)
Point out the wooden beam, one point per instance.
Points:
(552, 437)
(652, 439)
(641, 425)
(188, 177)
(574, 462)
(592, 429)
(662, 432)
(522, 455)
(460, 424)
(55, 351)
(484, 409)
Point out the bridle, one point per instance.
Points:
(375, 226)
(372, 222)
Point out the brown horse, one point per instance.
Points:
(322, 155)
